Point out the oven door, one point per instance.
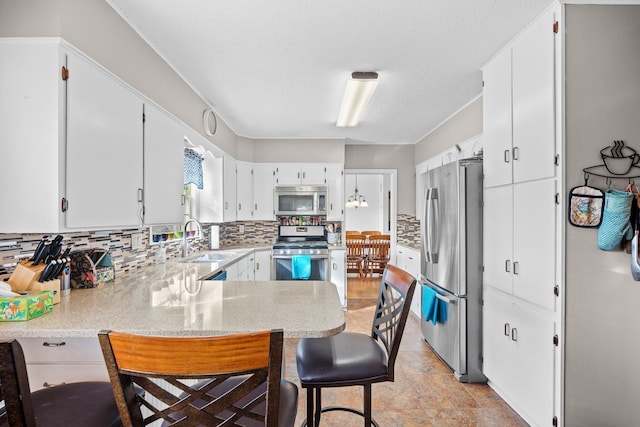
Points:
(282, 267)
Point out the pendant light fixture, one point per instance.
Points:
(356, 200)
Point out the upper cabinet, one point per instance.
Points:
(163, 168)
(229, 189)
(296, 174)
(263, 192)
(244, 191)
(335, 192)
(519, 108)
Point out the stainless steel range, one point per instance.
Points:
(308, 244)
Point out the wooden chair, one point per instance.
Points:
(356, 254)
(378, 253)
(237, 378)
(351, 233)
(355, 359)
(73, 404)
(371, 233)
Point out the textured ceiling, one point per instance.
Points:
(278, 68)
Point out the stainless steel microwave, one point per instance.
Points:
(300, 200)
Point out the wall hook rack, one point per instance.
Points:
(619, 161)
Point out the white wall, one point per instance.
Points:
(602, 348)
(369, 218)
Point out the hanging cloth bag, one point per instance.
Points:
(585, 206)
(615, 221)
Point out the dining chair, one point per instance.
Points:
(356, 359)
(73, 404)
(356, 254)
(371, 233)
(351, 233)
(193, 381)
(378, 253)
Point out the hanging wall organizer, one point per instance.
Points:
(619, 161)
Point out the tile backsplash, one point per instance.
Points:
(16, 247)
(408, 231)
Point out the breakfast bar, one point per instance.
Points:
(170, 299)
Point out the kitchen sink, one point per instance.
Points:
(213, 256)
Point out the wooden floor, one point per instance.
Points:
(425, 392)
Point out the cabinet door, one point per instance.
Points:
(104, 149)
(499, 363)
(211, 207)
(335, 189)
(313, 174)
(244, 191)
(498, 237)
(229, 186)
(339, 273)
(32, 104)
(534, 101)
(534, 242)
(496, 104)
(263, 192)
(288, 174)
(163, 168)
(262, 270)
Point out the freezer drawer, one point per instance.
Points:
(448, 339)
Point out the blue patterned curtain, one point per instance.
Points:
(192, 168)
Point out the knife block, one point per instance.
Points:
(25, 278)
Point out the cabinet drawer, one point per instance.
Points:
(52, 374)
(52, 350)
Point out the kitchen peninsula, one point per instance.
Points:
(170, 299)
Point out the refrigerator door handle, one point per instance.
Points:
(435, 241)
(427, 230)
(445, 298)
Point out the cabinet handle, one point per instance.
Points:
(516, 152)
(507, 329)
(298, 175)
(304, 175)
(54, 344)
(48, 385)
(140, 195)
(239, 206)
(183, 200)
(516, 267)
(335, 266)
(257, 266)
(255, 207)
(514, 334)
(507, 266)
(226, 205)
(507, 156)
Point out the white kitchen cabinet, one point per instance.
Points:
(211, 197)
(104, 136)
(32, 123)
(519, 354)
(244, 191)
(519, 241)
(55, 361)
(335, 192)
(408, 259)
(519, 108)
(250, 266)
(163, 168)
(296, 174)
(262, 270)
(263, 175)
(229, 186)
(338, 273)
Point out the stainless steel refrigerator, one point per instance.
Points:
(451, 265)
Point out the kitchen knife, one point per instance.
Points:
(39, 248)
(48, 270)
(42, 255)
(55, 249)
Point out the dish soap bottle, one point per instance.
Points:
(161, 254)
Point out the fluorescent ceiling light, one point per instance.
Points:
(360, 88)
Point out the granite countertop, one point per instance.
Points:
(170, 299)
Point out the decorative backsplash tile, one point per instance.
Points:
(408, 231)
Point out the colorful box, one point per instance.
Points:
(25, 307)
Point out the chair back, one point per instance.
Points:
(355, 245)
(392, 311)
(379, 247)
(14, 386)
(351, 233)
(371, 233)
(238, 378)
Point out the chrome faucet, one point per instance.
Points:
(185, 243)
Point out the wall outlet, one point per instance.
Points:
(136, 240)
(241, 228)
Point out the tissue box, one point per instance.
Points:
(25, 307)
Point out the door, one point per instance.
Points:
(263, 192)
(498, 238)
(244, 191)
(441, 239)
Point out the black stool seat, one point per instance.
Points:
(76, 404)
(347, 357)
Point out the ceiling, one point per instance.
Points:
(278, 68)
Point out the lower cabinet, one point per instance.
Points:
(262, 269)
(55, 361)
(408, 259)
(519, 354)
(338, 272)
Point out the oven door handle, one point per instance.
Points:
(291, 256)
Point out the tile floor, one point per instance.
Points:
(424, 393)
